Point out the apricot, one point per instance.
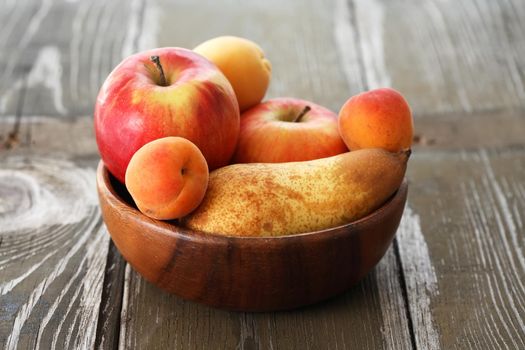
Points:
(379, 118)
(242, 61)
(167, 178)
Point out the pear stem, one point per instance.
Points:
(301, 115)
(156, 60)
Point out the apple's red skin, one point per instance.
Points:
(268, 134)
(132, 109)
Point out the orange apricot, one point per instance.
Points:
(379, 118)
(167, 178)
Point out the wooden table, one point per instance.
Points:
(455, 275)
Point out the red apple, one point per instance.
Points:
(165, 92)
(287, 130)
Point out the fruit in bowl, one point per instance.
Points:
(247, 273)
(165, 92)
(298, 220)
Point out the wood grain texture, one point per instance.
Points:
(355, 320)
(462, 249)
(108, 323)
(40, 136)
(420, 281)
(429, 52)
(52, 62)
(442, 55)
(52, 255)
(61, 52)
(69, 142)
(396, 328)
(456, 131)
(444, 58)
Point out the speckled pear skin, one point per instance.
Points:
(275, 199)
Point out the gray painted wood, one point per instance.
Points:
(52, 255)
(462, 248)
(60, 288)
(369, 316)
(62, 51)
(457, 131)
(445, 56)
(108, 323)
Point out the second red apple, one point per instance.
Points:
(287, 130)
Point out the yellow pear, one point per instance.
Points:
(274, 199)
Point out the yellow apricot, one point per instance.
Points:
(242, 61)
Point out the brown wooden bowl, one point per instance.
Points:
(247, 273)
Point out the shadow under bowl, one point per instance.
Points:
(247, 273)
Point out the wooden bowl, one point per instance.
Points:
(247, 273)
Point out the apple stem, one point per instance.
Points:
(156, 60)
(304, 111)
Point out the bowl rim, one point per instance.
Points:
(170, 228)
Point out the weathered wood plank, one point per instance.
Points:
(373, 314)
(64, 50)
(70, 141)
(444, 55)
(461, 246)
(466, 57)
(41, 136)
(457, 131)
(363, 318)
(52, 255)
(12, 15)
(108, 324)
